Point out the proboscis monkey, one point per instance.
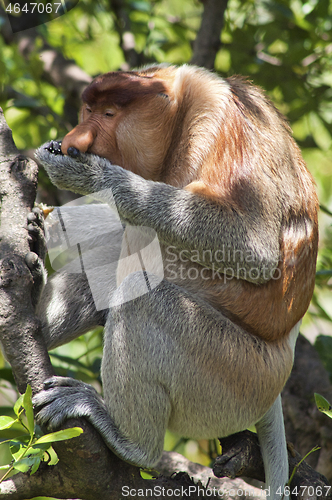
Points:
(210, 165)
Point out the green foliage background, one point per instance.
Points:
(285, 46)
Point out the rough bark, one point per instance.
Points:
(207, 42)
(20, 330)
(242, 457)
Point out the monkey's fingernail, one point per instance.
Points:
(73, 152)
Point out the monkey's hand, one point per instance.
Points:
(35, 258)
(35, 221)
(82, 173)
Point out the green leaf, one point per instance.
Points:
(24, 464)
(44, 498)
(141, 6)
(18, 405)
(323, 405)
(60, 435)
(35, 466)
(39, 449)
(70, 361)
(25, 103)
(5, 467)
(16, 449)
(27, 405)
(320, 133)
(6, 422)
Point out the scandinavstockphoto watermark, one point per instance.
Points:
(87, 236)
(222, 264)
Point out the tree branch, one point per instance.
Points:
(207, 42)
(57, 70)
(242, 457)
(23, 345)
(127, 39)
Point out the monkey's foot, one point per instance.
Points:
(64, 398)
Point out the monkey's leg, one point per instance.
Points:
(132, 392)
(271, 435)
(169, 361)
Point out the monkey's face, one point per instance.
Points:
(96, 132)
(128, 119)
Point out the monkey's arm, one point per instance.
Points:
(245, 245)
(67, 309)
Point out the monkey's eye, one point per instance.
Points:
(109, 113)
(89, 110)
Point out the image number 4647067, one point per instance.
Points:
(24, 15)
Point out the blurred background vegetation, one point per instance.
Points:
(285, 46)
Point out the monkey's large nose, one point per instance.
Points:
(77, 141)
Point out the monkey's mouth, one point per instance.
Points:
(54, 147)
